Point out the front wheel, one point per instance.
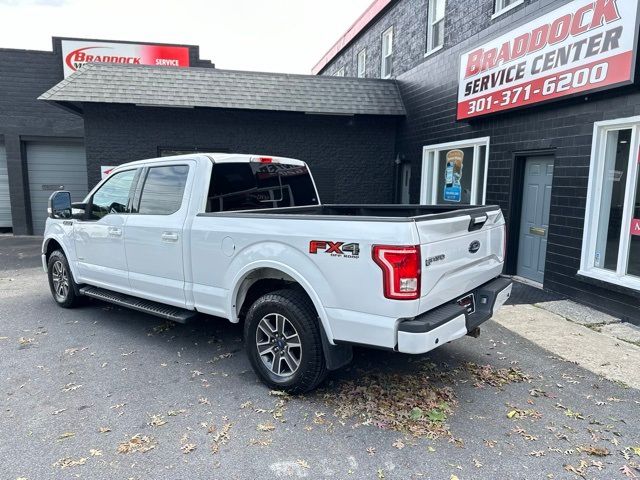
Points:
(283, 342)
(61, 283)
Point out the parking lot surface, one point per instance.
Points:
(102, 392)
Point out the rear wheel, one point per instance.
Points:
(61, 283)
(283, 342)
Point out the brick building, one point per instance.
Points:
(564, 171)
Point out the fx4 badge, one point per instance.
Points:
(437, 258)
(335, 249)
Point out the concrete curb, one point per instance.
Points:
(597, 352)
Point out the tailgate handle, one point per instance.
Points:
(477, 223)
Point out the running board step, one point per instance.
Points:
(175, 314)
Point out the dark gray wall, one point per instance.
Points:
(429, 90)
(352, 158)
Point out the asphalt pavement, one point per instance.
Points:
(101, 392)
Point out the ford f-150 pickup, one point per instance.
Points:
(245, 238)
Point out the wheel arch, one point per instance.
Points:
(266, 276)
(50, 244)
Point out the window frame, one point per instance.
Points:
(594, 203)
(502, 10)
(430, 170)
(132, 188)
(430, 49)
(339, 72)
(388, 33)
(362, 54)
(142, 181)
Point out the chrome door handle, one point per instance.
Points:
(170, 237)
(114, 232)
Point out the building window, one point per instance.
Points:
(503, 6)
(362, 63)
(435, 25)
(339, 72)
(455, 173)
(387, 53)
(611, 242)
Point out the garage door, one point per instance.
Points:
(5, 206)
(54, 166)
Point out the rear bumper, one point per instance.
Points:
(451, 321)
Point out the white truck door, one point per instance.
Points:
(154, 239)
(99, 240)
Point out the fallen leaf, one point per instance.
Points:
(25, 342)
(95, 453)
(266, 427)
(69, 462)
(70, 387)
(104, 429)
(303, 464)
(594, 450)
(175, 413)
(66, 435)
(156, 421)
(399, 444)
(627, 471)
(221, 438)
(137, 443)
(188, 448)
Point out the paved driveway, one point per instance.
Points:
(101, 392)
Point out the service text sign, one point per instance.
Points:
(76, 53)
(583, 46)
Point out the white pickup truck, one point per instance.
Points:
(245, 238)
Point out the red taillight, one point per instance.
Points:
(265, 160)
(400, 271)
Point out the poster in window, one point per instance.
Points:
(453, 176)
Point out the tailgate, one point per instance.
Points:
(460, 251)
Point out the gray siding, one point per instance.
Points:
(5, 202)
(54, 166)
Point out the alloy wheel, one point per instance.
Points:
(279, 345)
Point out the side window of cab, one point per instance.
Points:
(113, 196)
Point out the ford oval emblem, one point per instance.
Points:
(474, 247)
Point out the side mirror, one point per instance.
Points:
(60, 205)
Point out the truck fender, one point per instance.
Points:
(61, 237)
(245, 262)
(336, 356)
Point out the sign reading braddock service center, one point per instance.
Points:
(585, 45)
(76, 53)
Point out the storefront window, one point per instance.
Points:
(611, 245)
(455, 173)
(633, 266)
(612, 202)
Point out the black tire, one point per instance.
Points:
(302, 319)
(58, 271)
